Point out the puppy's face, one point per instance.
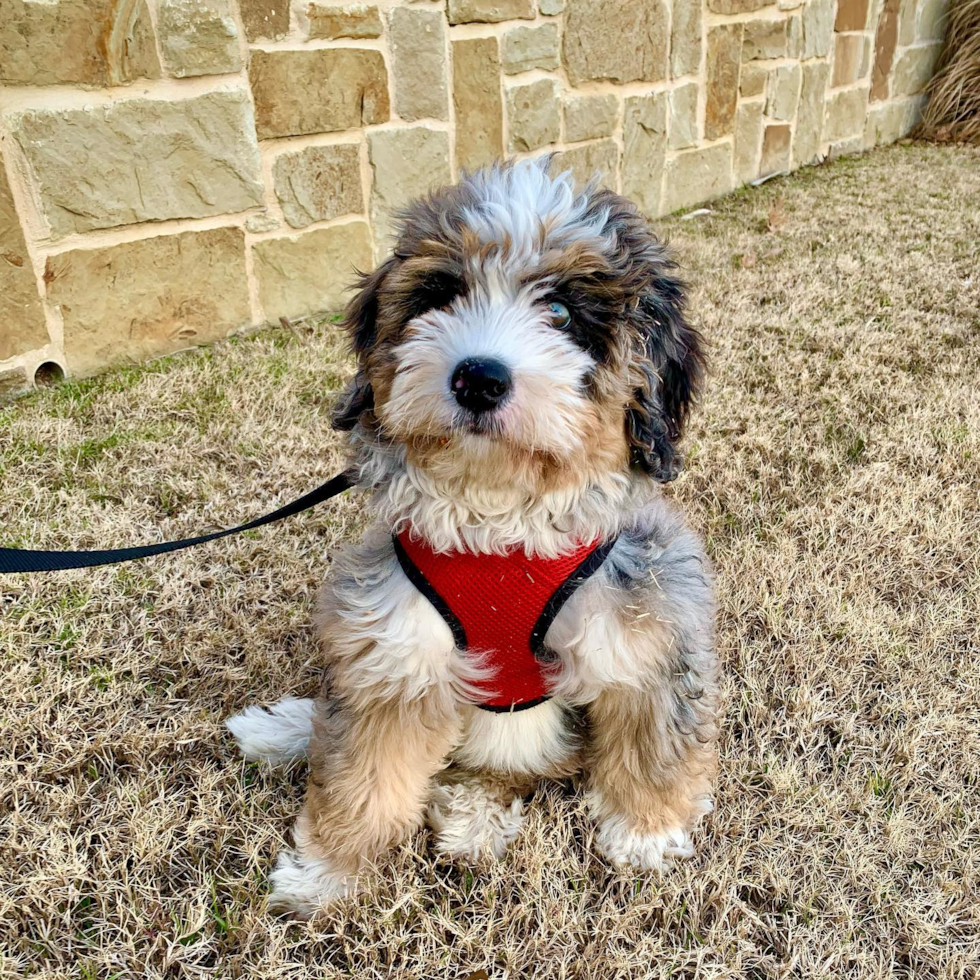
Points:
(523, 328)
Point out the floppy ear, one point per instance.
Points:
(356, 399)
(669, 364)
(360, 322)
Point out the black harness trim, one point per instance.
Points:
(424, 586)
(509, 709)
(589, 566)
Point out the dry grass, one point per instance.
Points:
(834, 471)
(953, 109)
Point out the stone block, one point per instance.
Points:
(765, 39)
(846, 113)
(852, 59)
(887, 123)
(309, 273)
(913, 68)
(752, 81)
(794, 37)
(852, 15)
(125, 303)
(22, 325)
(685, 39)
(810, 113)
(683, 128)
(93, 43)
(914, 108)
(738, 6)
(886, 39)
(724, 56)
(476, 96)
(257, 224)
(141, 160)
(616, 41)
(406, 164)
(845, 148)
(588, 160)
(550, 8)
(317, 91)
(319, 183)
(932, 20)
(818, 28)
(908, 23)
(748, 141)
(265, 19)
(644, 149)
(784, 92)
(775, 149)
(489, 11)
(589, 117)
(524, 48)
(695, 176)
(356, 20)
(13, 382)
(533, 119)
(198, 37)
(418, 45)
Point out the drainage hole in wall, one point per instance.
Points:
(47, 374)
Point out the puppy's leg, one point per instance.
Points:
(652, 765)
(475, 815)
(370, 773)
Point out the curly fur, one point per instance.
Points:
(574, 453)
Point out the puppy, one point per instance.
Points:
(526, 605)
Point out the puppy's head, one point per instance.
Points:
(522, 327)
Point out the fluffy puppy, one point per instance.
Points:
(524, 372)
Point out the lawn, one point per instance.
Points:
(834, 469)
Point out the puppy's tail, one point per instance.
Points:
(275, 734)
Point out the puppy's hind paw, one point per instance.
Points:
(472, 823)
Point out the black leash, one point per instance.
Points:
(17, 560)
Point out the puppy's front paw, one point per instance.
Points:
(303, 885)
(623, 845)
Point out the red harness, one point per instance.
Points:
(501, 607)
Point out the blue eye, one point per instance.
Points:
(559, 314)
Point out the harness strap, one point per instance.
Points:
(18, 560)
(590, 565)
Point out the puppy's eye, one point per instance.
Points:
(560, 316)
(435, 292)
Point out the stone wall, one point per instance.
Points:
(176, 170)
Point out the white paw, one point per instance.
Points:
(624, 847)
(304, 885)
(645, 852)
(471, 823)
(275, 734)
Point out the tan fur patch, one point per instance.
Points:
(370, 771)
(647, 769)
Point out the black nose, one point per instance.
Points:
(480, 385)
